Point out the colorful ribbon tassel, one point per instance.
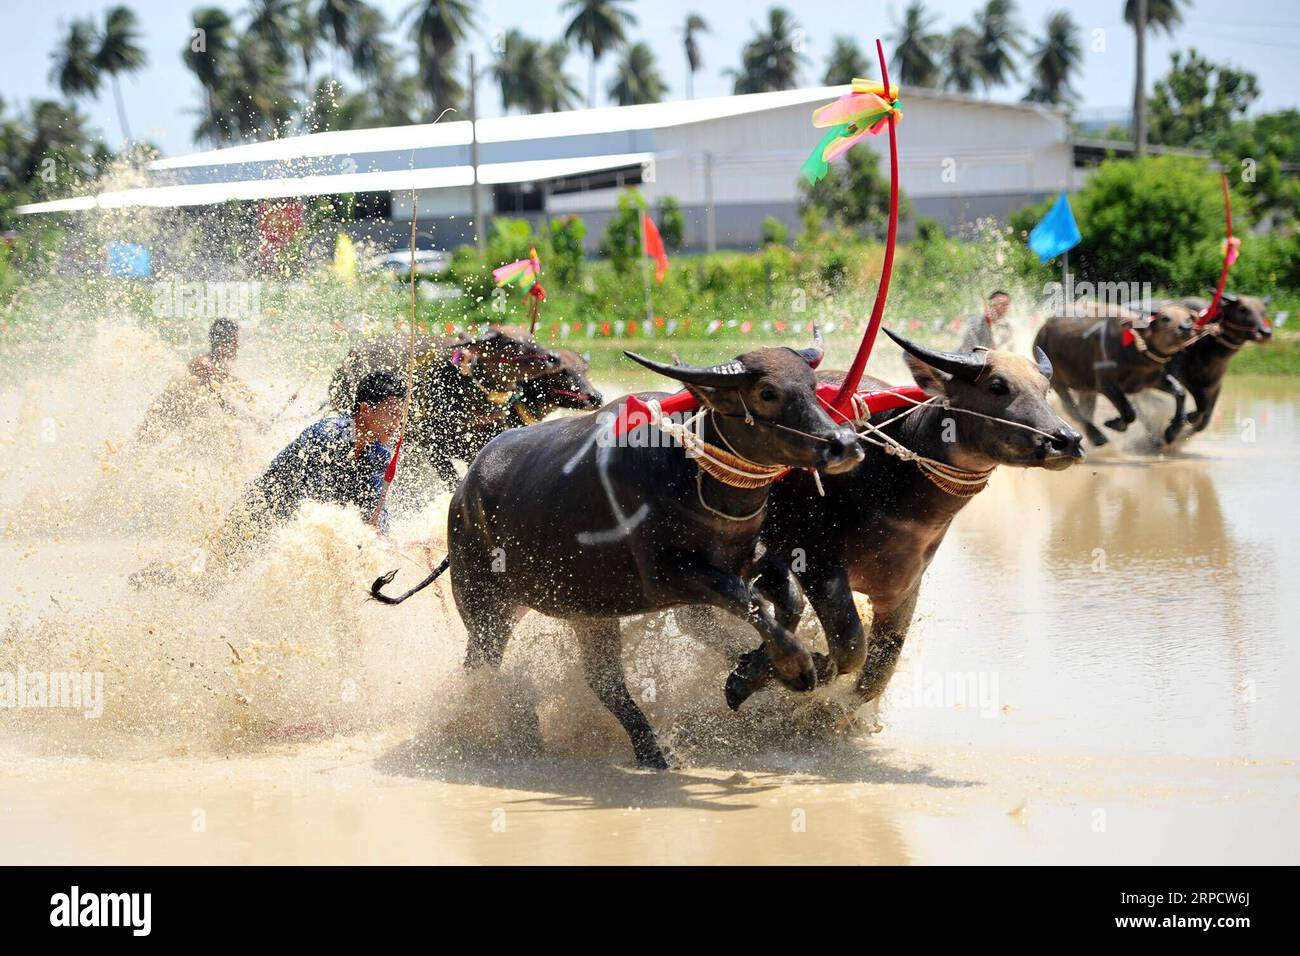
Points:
(854, 116)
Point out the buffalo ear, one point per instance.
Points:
(930, 379)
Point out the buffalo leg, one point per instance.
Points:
(776, 583)
(832, 599)
(1172, 386)
(488, 636)
(1205, 399)
(789, 658)
(1084, 419)
(1127, 416)
(601, 647)
(888, 632)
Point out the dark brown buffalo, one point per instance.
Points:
(879, 525)
(466, 391)
(1202, 365)
(573, 521)
(1091, 357)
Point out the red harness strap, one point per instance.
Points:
(634, 413)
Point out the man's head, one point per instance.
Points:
(223, 340)
(377, 408)
(999, 303)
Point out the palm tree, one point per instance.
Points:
(1161, 15)
(214, 28)
(332, 108)
(394, 93)
(440, 26)
(272, 22)
(1055, 59)
(54, 129)
(75, 70)
(916, 47)
(531, 75)
(369, 41)
(337, 20)
(304, 35)
(636, 78)
(695, 25)
(1001, 41)
(961, 60)
(846, 62)
(560, 92)
(771, 60)
(256, 91)
(120, 52)
(600, 26)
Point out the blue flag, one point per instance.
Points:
(1057, 232)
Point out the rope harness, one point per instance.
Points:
(958, 482)
(1147, 351)
(730, 468)
(721, 464)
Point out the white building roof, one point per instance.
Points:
(437, 155)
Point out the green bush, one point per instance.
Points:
(672, 224)
(621, 243)
(774, 232)
(928, 229)
(567, 252)
(511, 239)
(1141, 220)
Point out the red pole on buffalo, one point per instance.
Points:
(634, 412)
(1228, 258)
(843, 399)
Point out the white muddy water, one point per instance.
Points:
(1102, 669)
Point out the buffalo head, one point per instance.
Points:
(776, 391)
(567, 388)
(1008, 388)
(1245, 317)
(1168, 329)
(504, 357)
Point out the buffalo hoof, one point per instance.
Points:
(804, 681)
(825, 668)
(738, 689)
(657, 758)
(1171, 433)
(751, 672)
(1117, 425)
(1096, 436)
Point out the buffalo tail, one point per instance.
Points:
(376, 589)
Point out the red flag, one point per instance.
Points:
(654, 246)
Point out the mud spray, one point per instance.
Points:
(290, 649)
(303, 722)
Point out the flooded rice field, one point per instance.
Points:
(1101, 670)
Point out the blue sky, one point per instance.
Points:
(1262, 36)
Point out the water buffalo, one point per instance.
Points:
(1201, 366)
(878, 526)
(466, 391)
(574, 521)
(1116, 353)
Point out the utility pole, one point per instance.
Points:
(476, 204)
(643, 210)
(710, 222)
(1140, 85)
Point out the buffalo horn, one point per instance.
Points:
(813, 356)
(731, 375)
(1044, 363)
(967, 368)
